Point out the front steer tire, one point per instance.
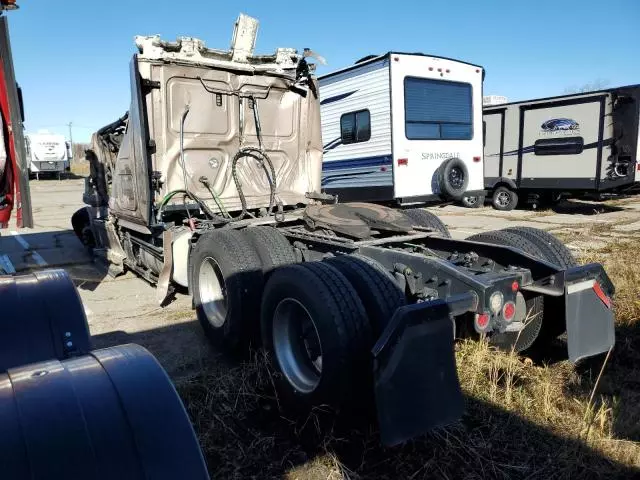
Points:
(227, 280)
(318, 292)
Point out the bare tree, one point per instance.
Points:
(598, 84)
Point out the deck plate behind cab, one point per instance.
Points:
(356, 220)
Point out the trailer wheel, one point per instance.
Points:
(227, 283)
(426, 219)
(474, 201)
(504, 199)
(534, 304)
(554, 251)
(380, 294)
(315, 327)
(273, 248)
(453, 178)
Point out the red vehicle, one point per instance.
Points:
(14, 180)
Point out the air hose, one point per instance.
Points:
(263, 160)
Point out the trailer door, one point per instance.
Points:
(561, 144)
(493, 131)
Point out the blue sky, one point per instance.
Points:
(71, 57)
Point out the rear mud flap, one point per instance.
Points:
(416, 383)
(590, 320)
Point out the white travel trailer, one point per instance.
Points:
(537, 151)
(402, 127)
(47, 153)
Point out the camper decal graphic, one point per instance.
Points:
(560, 124)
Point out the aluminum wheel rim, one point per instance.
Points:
(296, 344)
(456, 177)
(504, 198)
(472, 200)
(213, 294)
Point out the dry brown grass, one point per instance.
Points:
(524, 419)
(80, 167)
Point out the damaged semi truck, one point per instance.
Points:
(212, 182)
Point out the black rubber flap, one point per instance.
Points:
(590, 322)
(166, 443)
(42, 319)
(356, 219)
(416, 383)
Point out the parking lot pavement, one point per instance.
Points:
(119, 310)
(123, 309)
(575, 220)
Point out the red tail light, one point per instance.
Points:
(482, 321)
(403, 162)
(509, 311)
(477, 159)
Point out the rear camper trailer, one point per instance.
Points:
(47, 154)
(539, 150)
(402, 128)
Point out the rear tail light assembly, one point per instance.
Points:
(509, 311)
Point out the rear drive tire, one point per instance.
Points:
(504, 199)
(474, 201)
(552, 248)
(553, 251)
(380, 294)
(426, 219)
(273, 248)
(315, 327)
(227, 279)
(525, 338)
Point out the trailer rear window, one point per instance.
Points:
(437, 109)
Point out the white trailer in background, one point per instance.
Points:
(405, 128)
(537, 151)
(48, 154)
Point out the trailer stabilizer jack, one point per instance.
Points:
(416, 384)
(590, 319)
